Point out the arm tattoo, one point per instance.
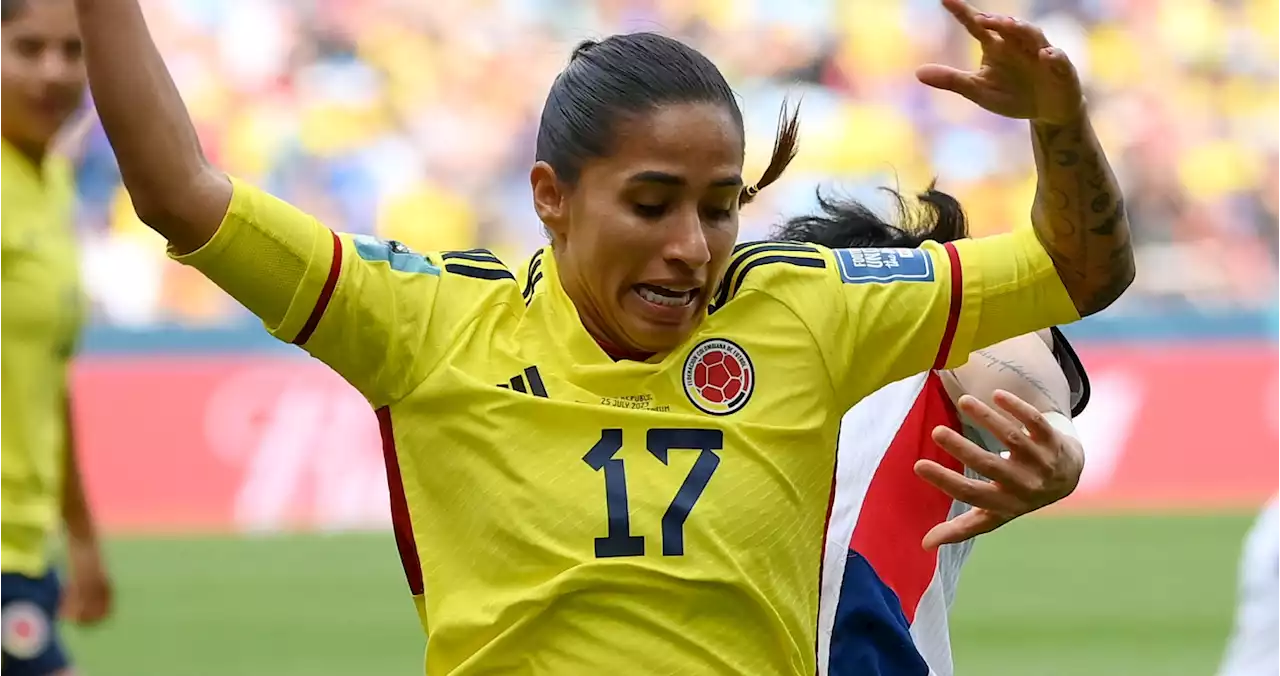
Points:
(1079, 214)
(996, 363)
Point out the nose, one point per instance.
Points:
(56, 67)
(687, 241)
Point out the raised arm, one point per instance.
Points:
(1078, 214)
(372, 310)
(173, 187)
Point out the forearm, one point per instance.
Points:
(1079, 214)
(173, 188)
(75, 507)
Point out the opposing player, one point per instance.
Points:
(620, 457)
(885, 599)
(1254, 646)
(43, 85)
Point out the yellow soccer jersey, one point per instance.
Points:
(558, 512)
(40, 312)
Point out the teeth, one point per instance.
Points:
(662, 299)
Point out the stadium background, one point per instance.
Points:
(241, 484)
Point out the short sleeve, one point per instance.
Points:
(880, 315)
(368, 308)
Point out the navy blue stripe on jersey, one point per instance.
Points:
(535, 382)
(729, 286)
(871, 635)
(744, 252)
(757, 247)
(534, 276)
(476, 255)
(478, 273)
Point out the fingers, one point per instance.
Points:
(969, 491)
(1030, 416)
(1026, 37)
(950, 79)
(971, 524)
(1010, 434)
(968, 17)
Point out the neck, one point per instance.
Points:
(593, 320)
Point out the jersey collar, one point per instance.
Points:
(564, 322)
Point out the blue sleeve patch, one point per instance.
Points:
(859, 266)
(398, 255)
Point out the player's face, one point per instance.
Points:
(642, 239)
(43, 72)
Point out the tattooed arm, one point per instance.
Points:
(1024, 367)
(1079, 214)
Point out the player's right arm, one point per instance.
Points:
(366, 308)
(173, 187)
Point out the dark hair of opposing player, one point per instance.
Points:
(848, 223)
(628, 75)
(10, 9)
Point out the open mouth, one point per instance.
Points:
(660, 295)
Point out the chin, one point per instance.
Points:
(651, 337)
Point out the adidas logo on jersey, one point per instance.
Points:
(530, 382)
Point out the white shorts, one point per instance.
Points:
(1254, 647)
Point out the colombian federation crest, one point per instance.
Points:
(719, 377)
(25, 630)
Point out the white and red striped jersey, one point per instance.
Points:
(884, 599)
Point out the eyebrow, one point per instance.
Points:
(671, 179)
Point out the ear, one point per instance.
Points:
(550, 199)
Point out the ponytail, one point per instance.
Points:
(785, 146)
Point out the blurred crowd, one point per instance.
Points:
(415, 120)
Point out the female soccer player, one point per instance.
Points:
(43, 84)
(619, 456)
(885, 600)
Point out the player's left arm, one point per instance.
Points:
(1078, 214)
(87, 597)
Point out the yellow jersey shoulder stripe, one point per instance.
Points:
(751, 255)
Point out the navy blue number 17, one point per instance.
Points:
(661, 441)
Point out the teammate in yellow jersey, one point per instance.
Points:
(619, 456)
(43, 84)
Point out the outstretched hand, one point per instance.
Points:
(1043, 466)
(1021, 75)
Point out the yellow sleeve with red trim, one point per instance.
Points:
(372, 310)
(880, 315)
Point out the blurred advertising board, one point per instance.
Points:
(270, 442)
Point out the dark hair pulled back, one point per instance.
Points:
(622, 76)
(848, 223)
(10, 9)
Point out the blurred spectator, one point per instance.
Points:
(415, 120)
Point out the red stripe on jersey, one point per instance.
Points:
(326, 293)
(900, 507)
(401, 524)
(953, 313)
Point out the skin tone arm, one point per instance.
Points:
(1078, 214)
(87, 597)
(173, 187)
(1005, 389)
